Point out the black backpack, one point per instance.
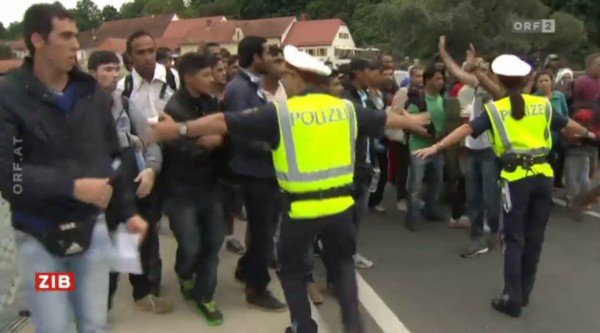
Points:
(128, 89)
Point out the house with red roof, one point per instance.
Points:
(18, 48)
(328, 40)
(227, 34)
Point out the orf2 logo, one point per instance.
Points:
(54, 281)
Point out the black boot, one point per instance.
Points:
(506, 306)
(525, 301)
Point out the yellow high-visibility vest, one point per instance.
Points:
(528, 136)
(316, 152)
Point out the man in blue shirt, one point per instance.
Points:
(59, 163)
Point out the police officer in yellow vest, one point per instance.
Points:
(520, 127)
(312, 137)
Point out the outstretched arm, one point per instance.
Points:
(167, 129)
(451, 139)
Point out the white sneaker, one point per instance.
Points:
(379, 209)
(463, 222)
(362, 262)
(401, 205)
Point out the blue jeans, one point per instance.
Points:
(55, 312)
(483, 191)
(577, 172)
(430, 170)
(198, 224)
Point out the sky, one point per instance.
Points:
(11, 10)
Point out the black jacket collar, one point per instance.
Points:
(86, 83)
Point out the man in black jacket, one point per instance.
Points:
(58, 155)
(356, 91)
(253, 165)
(194, 208)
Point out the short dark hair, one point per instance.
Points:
(213, 61)
(38, 19)
(429, 73)
(134, 36)
(100, 57)
(211, 44)
(357, 65)
(163, 53)
(248, 48)
(413, 69)
(544, 72)
(224, 53)
(191, 63)
(376, 65)
(275, 50)
(232, 60)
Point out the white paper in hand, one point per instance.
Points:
(127, 257)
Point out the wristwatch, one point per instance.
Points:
(182, 129)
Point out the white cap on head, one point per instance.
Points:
(510, 65)
(304, 61)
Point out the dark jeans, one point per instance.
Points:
(262, 200)
(402, 171)
(148, 282)
(523, 233)
(376, 197)
(361, 198)
(199, 227)
(483, 191)
(557, 161)
(433, 168)
(455, 181)
(338, 235)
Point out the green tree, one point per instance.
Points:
(488, 24)
(14, 31)
(2, 31)
(364, 32)
(164, 6)
(5, 52)
(110, 13)
(133, 9)
(228, 8)
(87, 15)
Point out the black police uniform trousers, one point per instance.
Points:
(339, 245)
(148, 282)
(262, 199)
(523, 233)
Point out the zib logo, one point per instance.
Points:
(54, 281)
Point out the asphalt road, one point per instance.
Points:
(420, 277)
(423, 280)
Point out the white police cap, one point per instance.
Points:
(304, 61)
(510, 65)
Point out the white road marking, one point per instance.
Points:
(563, 203)
(376, 307)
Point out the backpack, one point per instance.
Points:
(128, 89)
(416, 96)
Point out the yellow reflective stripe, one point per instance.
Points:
(293, 173)
(548, 118)
(500, 126)
(508, 147)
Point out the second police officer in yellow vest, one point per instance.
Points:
(520, 128)
(313, 138)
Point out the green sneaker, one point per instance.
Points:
(186, 287)
(211, 313)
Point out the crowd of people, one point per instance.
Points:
(80, 149)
